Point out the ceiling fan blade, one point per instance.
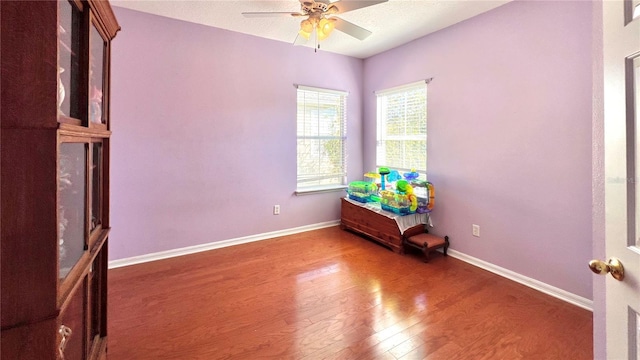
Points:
(340, 7)
(270, 14)
(351, 29)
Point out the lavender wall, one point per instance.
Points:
(509, 124)
(204, 134)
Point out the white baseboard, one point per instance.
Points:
(216, 245)
(532, 283)
(527, 281)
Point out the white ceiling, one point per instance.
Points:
(393, 23)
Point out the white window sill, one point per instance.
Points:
(320, 189)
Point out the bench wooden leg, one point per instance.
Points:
(446, 246)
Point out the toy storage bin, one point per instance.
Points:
(422, 195)
(358, 197)
(361, 190)
(396, 203)
(397, 210)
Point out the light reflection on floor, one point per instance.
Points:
(317, 273)
(385, 317)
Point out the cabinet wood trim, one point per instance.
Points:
(81, 269)
(82, 131)
(105, 17)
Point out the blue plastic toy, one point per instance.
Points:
(383, 171)
(412, 175)
(394, 175)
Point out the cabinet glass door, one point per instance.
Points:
(69, 59)
(72, 205)
(96, 76)
(96, 185)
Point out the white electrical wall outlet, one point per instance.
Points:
(276, 209)
(475, 230)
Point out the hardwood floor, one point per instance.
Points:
(332, 294)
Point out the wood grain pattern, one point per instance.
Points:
(28, 67)
(375, 226)
(34, 301)
(28, 194)
(105, 17)
(329, 294)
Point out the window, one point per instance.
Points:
(321, 136)
(402, 128)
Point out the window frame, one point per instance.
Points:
(341, 105)
(380, 137)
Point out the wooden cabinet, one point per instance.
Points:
(375, 226)
(54, 177)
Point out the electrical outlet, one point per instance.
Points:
(276, 209)
(475, 230)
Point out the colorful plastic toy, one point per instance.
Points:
(432, 196)
(394, 176)
(403, 187)
(371, 176)
(383, 171)
(394, 202)
(412, 175)
(425, 194)
(361, 190)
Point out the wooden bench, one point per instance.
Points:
(426, 243)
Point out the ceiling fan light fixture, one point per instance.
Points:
(306, 26)
(325, 27)
(319, 24)
(304, 34)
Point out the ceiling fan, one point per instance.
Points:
(319, 20)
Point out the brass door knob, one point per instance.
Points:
(614, 267)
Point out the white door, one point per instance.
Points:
(621, 40)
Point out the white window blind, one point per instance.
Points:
(321, 136)
(402, 128)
